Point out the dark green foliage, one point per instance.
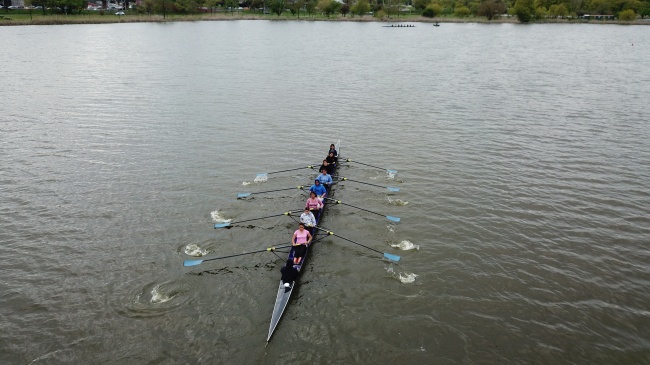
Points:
(361, 7)
(525, 10)
(432, 11)
(421, 4)
(345, 9)
(627, 15)
(276, 6)
(491, 9)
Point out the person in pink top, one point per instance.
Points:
(301, 239)
(314, 204)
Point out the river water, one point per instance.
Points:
(523, 168)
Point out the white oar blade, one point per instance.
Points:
(222, 225)
(392, 189)
(394, 219)
(392, 257)
(192, 262)
(243, 195)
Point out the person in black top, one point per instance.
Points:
(329, 167)
(289, 273)
(331, 159)
(333, 150)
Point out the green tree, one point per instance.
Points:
(310, 6)
(231, 5)
(344, 9)
(421, 4)
(432, 11)
(462, 11)
(361, 7)
(524, 10)
(558, 11)
(328, 7)
(627, 15)
(491, 9)
(276, 6)
(541, 12)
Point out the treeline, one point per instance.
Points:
(524, 10)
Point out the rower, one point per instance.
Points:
(289, 274)
(301, 239)
(319, 189)
(314, 204)
(331, 159)
(307, 217)
(325, 179)
(327, 166)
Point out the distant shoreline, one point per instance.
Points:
(40, 19)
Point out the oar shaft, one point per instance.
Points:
(246, 253)
(271, 191)
(268, 216)
(362, 182)
(354, 206)
(297, 168)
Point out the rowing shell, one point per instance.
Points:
(284, 294)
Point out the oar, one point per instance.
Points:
(197, 262)
(243, 195)
(277, 172)
(229, 224)
(361, 182)
(377, 167)
(386, 255)
(389, 217)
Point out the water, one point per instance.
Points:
(522, 155)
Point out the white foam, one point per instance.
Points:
(390, 175)
(218, 218)
(398, 202)
(261, 178)
(194, 250)
(405, 245)
(246, 183)
(391, 228)
(407, 278)
(158, 297)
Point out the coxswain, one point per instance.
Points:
(289, 274)
(301, 239)
(314, 204)
(319, 189)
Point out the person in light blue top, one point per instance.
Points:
(318, 189)
(325, 179)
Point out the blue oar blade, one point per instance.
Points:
(222, 225)
(264, 174)
(243, 195)
(391, 257)
(192, 262)
(394, 219)
(393, 189)
(392, 172)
